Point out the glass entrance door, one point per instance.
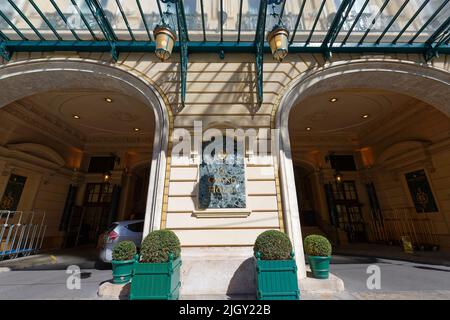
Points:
(349, 212)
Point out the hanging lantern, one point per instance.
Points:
(164, 35)
(278, 42)
(165, 39)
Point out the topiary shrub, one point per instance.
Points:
(124, 250)
(273, 245)
(158, 244)
(317, 245)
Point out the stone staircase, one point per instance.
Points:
(230, 272)
(217, 271)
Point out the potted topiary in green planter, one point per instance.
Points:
(318, 250)
(156, 273)
(122, 261)
(276, 270)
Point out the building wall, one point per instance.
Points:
(48, 182)
(429, 130)
(413, 137)
(222, 93)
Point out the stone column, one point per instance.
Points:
(290, 205)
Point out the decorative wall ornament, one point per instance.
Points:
(222, 178)
(421, 193)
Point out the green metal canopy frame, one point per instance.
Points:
(350, 29)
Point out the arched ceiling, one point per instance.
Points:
(342, 112)
(97, 113)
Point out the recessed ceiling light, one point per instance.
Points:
(75, 116)
(365, 116)
(109, 100)
(332, 100)
(136, 129)
(308, 128)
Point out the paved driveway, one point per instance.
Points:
(398, 279)
(50, 284)
(44, 276)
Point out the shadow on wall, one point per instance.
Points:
(243, 280)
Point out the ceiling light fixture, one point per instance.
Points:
(332, 100)
(308, 128)
(76, 116)
(365, 116)
(136, 129)
(109, 100)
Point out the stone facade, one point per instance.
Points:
(222, 94)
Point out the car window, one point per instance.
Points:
(136, 227)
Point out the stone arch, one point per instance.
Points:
(24, 78)
(428, 84)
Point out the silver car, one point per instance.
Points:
(119, 231)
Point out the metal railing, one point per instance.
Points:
(21, 233)
(392, 224)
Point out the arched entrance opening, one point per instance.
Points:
(137, 204)
(341, 119)
(82, 142)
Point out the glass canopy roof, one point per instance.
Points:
(229, 25)
(222, 26)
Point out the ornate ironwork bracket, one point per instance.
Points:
(440, 37)
(259, 46)
(336, 25)
(183, 39)
(105, 26)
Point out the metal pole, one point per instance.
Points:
(16, 229)
(39, 233)
(2, 232)
(29, 248)
(42, 239)
(4, 225)
(79, 227)
(24, 240)
(23, 228)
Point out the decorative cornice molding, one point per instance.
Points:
(26, 113)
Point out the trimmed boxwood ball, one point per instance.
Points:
(273, 245)
(124, 250)
(317, 245)
(158, 244)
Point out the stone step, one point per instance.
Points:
(223, 273)
(217, 271)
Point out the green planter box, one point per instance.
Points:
(156, 281)
(320, 266)
(121, 271)
(276, 279)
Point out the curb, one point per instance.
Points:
(111, 291)
(331, 285)
(412, 259)
(4, 269)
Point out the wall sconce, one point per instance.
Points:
(107, 177)
(338, 176)
(165, 37)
